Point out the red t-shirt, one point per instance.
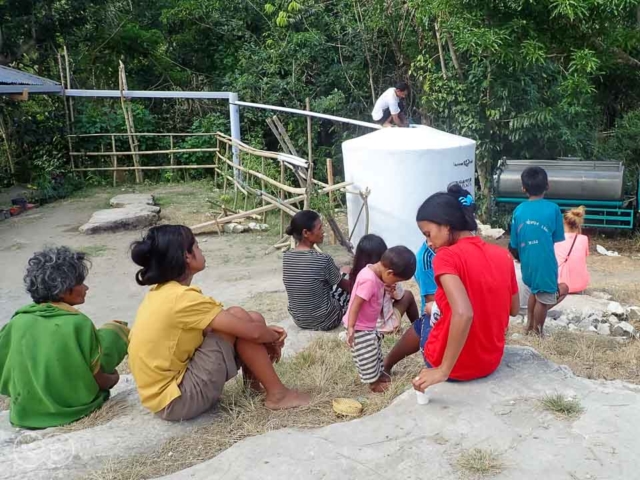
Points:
(488, 274)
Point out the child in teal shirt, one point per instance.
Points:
(535, 227)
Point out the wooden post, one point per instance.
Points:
(114, 160)
(309, 186)
(128, 119)
(330, 182)
(281, 197)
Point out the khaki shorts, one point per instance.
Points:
(547, 298)
(212, 365)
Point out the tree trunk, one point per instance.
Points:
(440, 52)
(454, 57)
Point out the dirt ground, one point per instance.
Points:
(237, 267)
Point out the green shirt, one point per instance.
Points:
(48, 356)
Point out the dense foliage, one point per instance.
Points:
(525, 78)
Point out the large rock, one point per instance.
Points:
(128, 199)
(624, 329)
(127, 218)
(499, 413)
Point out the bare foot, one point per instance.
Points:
(380, 386)
(287, 399)
(384, 377)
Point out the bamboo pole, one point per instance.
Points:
(287, 188)
(215, 159)
(254, 151)
(332, 237)
(128, 119)
(281, 197)
(226, 169)
(276, 133)
(66, 59)
(235, 183)
(66, 111)
(145, 152)
(155, 167)
(115, 160)
(309, 186)
(262, 187)
(284, 135)
(266, 208)
(5, 136)
(173, 158)
(144, 134)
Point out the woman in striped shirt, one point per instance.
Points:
(316, 288)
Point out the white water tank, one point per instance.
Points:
(402, 167)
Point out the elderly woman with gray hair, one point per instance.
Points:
(55, 366)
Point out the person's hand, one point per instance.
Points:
(428, 307)
(274, 350)
(391, 289)
(428, 377)
(351, 333)
(282, 333)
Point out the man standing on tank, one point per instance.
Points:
(389, 108)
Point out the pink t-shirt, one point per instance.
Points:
(572, 270)
(371, 289)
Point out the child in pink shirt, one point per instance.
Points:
(572, 253)
(396, 265)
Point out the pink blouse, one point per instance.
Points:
(572, 268)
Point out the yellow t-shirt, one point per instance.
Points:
(166, 333)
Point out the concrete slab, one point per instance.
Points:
(500, 413)
(116, 219)
(127, 199)
(54, 454)
(406, 440)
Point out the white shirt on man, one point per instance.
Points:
(388, 100)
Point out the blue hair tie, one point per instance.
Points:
(466, 201)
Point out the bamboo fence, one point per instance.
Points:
(114, 154)
(273, 194)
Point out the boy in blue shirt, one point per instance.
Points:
(424, 275)
(535, 227)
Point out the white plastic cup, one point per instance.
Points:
(422, 398)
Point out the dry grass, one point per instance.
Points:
(479, 462)
(562, 406)
(4, 403)
(110, 410)
(325, 369)
(589, 356)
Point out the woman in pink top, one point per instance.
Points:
(572, 253)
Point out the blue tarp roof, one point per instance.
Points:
(15, 81)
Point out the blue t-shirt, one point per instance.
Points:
(424, 273)
(535, 227)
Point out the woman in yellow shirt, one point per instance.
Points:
(184, 346)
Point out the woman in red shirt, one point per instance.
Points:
(477, 291)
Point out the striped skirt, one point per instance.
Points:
(367, 355)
